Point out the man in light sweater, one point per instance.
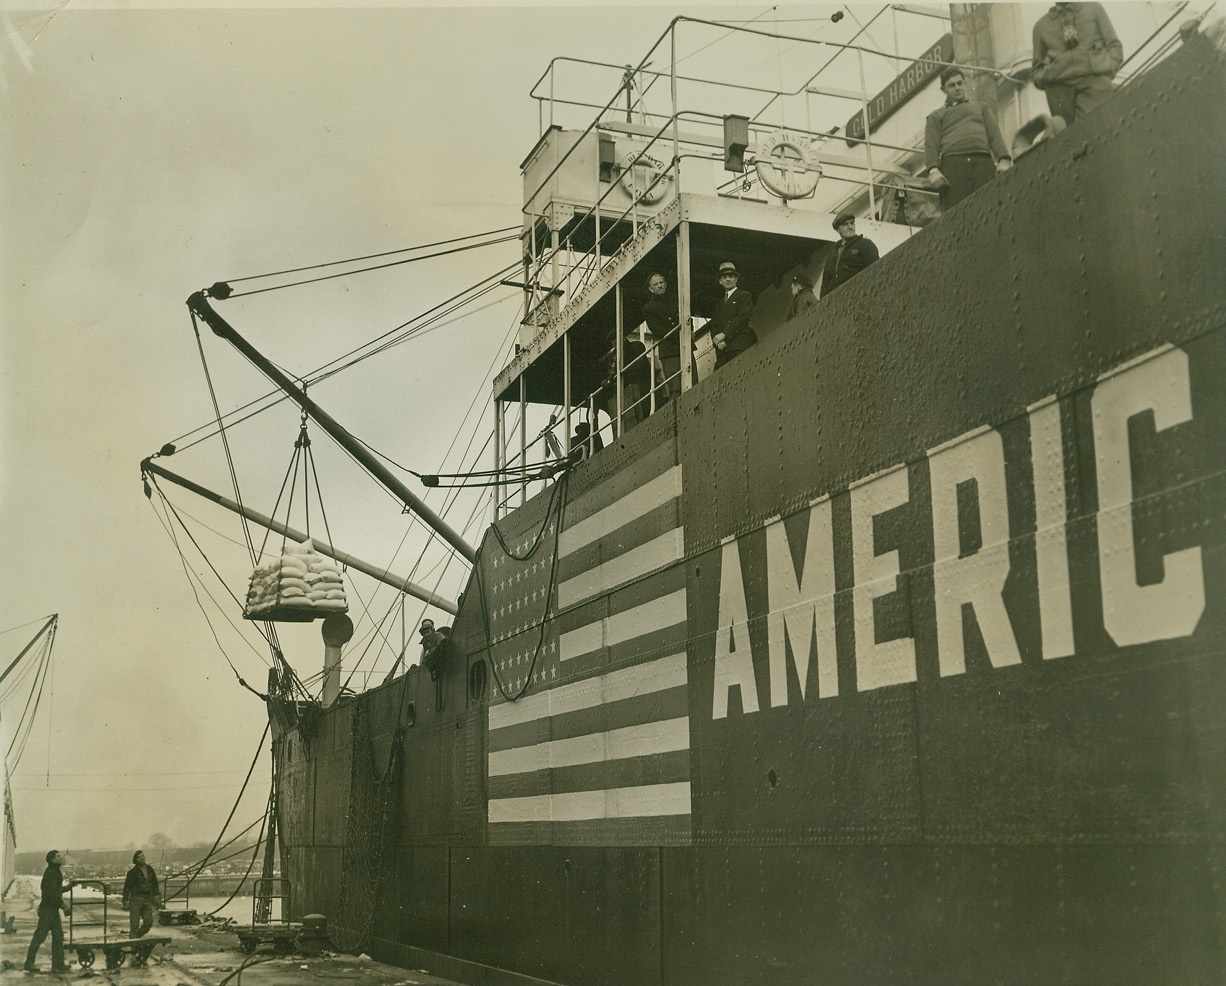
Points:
(963, 145)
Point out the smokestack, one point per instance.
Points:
(336, 631)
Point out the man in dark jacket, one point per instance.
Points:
(802, 295)
(140, 896)
(1076, 55)
(50, 903)
(660, 314)
(852, 255)
(729, 326)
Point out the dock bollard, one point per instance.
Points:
(313, 938)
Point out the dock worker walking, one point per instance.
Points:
(730, 331)
(50, 903)
(963, 145)
(852, 255)
(140, 896)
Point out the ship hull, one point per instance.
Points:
(917, 673)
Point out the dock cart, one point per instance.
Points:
(177, 905)
(92, 912)
(280, 933)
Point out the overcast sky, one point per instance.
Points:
(150, 152)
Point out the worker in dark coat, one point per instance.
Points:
(433, 647)
(1076, 55)
(853, 254)
(729, 326)
(584, 442)
(802, 295)
(140, 896)
(660, 314)
(50, 903)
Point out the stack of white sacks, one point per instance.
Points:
(301, 578)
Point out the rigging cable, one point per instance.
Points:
(224, 439)
(355, 356)
(367, 270)
(278, 659)
(199, 864)
(29, 713)
(448, 501)
(254, 760)
(370, 256)
(259, 841)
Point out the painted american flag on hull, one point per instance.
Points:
(597, 749)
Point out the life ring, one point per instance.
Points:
(787, 165)
(644, 177)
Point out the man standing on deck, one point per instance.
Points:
(50, 903)
(140, 896)
(963, 145)
(433, 647)
(852, 255)
(660, 314)
(1076, 55)
(730, 331)
(802, 295)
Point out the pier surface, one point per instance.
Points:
(196, 955)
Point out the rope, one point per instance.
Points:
(559, 496)
(366, 270)
(355, 356)
(371, 256)
(221, 428)
(209, 855)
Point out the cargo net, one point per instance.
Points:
(299, 586)
(374, 788)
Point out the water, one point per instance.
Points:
(87, 904)
(239, 909)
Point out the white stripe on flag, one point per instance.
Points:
(608, 575)
(659, 614)
(641, 679)
(642, 740)
(618, 802)
(633, 505)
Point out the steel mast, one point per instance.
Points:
(374, 571)
(199, 305)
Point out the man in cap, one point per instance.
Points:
(1076, 55)
(140, 895)
(963, 145)
(433, 650)
(729, 326)
(636, 380)
(802, 295)
(853, 253)
(50, 903)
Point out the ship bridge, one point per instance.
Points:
(724, 143)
